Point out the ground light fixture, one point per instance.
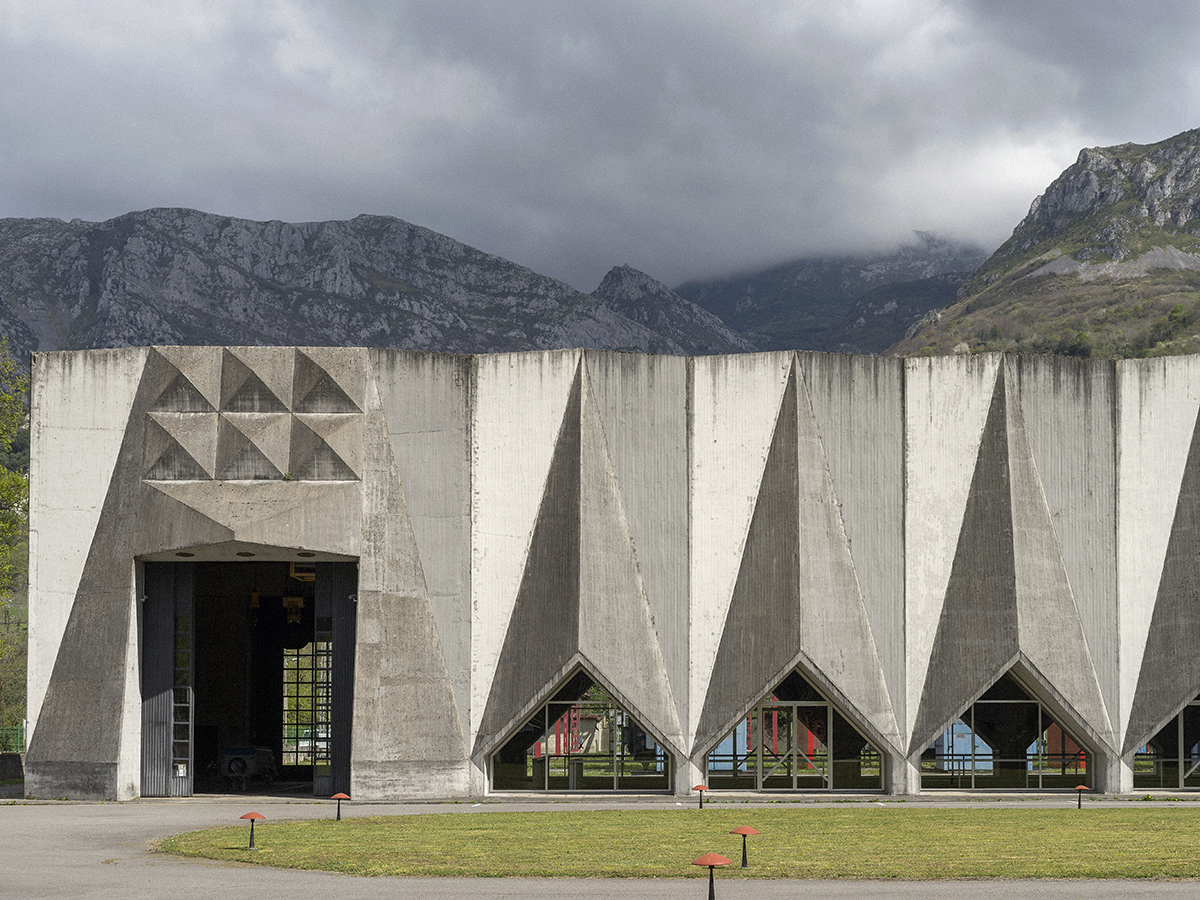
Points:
(253, 817)
(700, 789)
(1079, 789)
(744, 830)
(339, 797)
(712, 860)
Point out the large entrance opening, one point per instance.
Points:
(1171, 759)
(247, 676)
(581, 740)
(1006, 740)
(794, 740)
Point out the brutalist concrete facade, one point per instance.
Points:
(687, 530)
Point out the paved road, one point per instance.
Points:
(54, 851)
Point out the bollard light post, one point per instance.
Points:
(339, 797)
(712, 860)
(744, 830)
(253, 817)
(1079, 789)
(700, 789)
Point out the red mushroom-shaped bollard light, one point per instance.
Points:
(744, 830)
(712, 860)
(1079, 789)
(339, 797)
(253, 817)
(700, 789)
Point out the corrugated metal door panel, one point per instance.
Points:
(167, 672)
(336, 591)
(158, 638)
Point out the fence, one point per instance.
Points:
(12, 739)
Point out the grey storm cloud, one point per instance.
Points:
(688, 138)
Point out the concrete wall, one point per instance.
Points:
(687, 531)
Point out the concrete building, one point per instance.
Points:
(404, 574)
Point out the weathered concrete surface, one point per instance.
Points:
(977, 638)
(686, 530)
(582, 600)
(734, 404)
(12, 766)
(645, 430)
(408, 736)
(77, 402)
(518, 401)
(1169, 677)
(426, 403)
(946, 403)
(797, 599)
(1068, 409)
(1159, 401)
(858, 404)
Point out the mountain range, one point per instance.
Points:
(826, 302)
(1107, 261)
(179, 276)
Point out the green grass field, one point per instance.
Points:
(889, 841)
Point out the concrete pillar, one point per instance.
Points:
(1113, 775)
(902, 776)
(479, 786)
(688, 773)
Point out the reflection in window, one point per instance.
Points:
(581, 740)
(794, 740)
(1171, 759)
(1006, 740)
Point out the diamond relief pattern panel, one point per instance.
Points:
(282, 416)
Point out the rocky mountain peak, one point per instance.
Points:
(1155, 184)
(643, 299)
(1107, 262)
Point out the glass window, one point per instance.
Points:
(307, 704)
(581, 740)
(794, 740)
(1006, 740)
(1171, 759)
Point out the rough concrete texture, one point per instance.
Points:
(425, 399)
(1009, 598)
(74, 399)
(1050, 631)
(734, 403)
(977, 628)
(582, 601)
(1159, 400)
(1170, 674)
(858, 405)
(405, 712)
(645, 431)
(517, 405)
(946, 402)
(685, 530)
(1068, 415)
(796, 600)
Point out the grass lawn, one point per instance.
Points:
(890, 841)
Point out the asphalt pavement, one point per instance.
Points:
(59, 850)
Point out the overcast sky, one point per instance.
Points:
(687, 138)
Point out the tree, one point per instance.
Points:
(14, 541)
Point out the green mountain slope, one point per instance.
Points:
(1107, 262)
